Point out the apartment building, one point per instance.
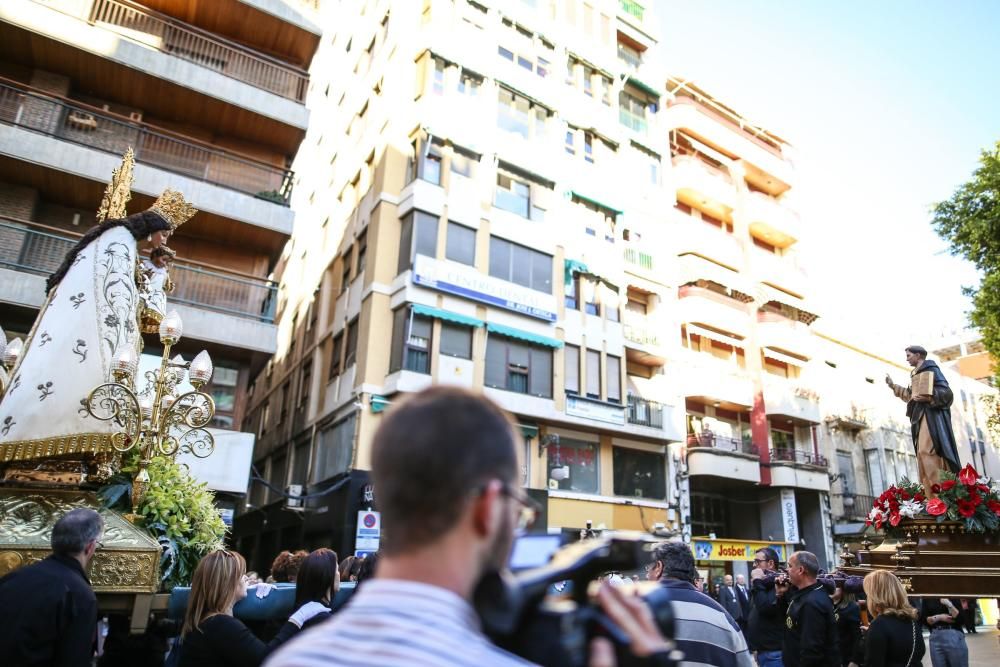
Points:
(211, 97)
(475, 198)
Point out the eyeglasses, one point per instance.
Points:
(530, 509)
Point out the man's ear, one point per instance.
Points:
(486, 507)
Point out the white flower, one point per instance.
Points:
(874, 514)
(910, 508)
(986, 481)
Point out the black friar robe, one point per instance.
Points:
(938, 414)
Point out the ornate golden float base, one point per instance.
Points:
(129, 561)
(934, 560)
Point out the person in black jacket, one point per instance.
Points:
(766, 627)
(847, 613)
(211, 636)
(894, 637)
(317, 583)
(48, 611)
(811, 638)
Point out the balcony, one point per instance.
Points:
(795, 468)
(187, 42)
(855, 506)
(642, 344)
(639, 259)
(762, 154)
(642, 412)
(781, 271)
(703, 185)
(778, 332)
(788, 398)
(772, 221)
(707, 379)
(89, 126)
(701, 238)
(722, 456)
(28, 247)
(851, 419)
(699, 305)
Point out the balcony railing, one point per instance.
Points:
(639, 258)
(800, 457)
(856, 506)
(721, 442)
(632, 8)
(644, 413)
(106, 131)
(202, 48)
(632, 120)
(26, 248)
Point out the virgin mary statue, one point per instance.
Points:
(90, 317)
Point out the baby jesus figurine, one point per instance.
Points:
(156, 285)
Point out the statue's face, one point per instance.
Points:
(913, 359)
(159, 238)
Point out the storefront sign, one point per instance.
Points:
(602, 412)
(728, 550)
(465, 281)
(369, 533)
(789, 516)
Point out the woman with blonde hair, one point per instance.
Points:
(894, 638)
(211, 635)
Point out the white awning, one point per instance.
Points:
(784, 358)
(715, 335)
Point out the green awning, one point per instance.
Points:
(528, 431)
(643, 86)
(445, 315)
(526, 336)
(571, 266)
(615, 209)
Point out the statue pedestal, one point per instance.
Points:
(935, 560)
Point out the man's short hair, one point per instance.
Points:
(917, 349)
(75, 530)
(430, 455)
(770, 554)
(678, 561)
(807, 561)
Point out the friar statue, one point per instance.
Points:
(930, 421)
(96, 303)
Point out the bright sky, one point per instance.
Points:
(888, 104)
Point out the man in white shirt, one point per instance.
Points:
(445, 467)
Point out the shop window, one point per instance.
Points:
(519, 367)
(582, 460)
(519, 264)
(456, 340)
(461, 244)
(639, 474)
(417, 236)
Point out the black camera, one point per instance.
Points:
(520, 615)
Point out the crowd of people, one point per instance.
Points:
(446, 465)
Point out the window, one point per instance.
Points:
(593, 374)
(362, 251)
(639, 474)
(428, 161)
(351, 346)
(469, 84)
(286, 399)
(463, 164)
(411, 342)
(517, 366)
(223, 392)
(709, 514)
(334, 449)
(418, 236)
(571, 141)
(345, 268)
(512, 195)
(300, 464)
(634, 110)
(521, 265)
(581, 459)
(783, 440)
(437, 83)
(588, 147)
(305, 385)
(845, 466)
(265, 419)
(572, 357)
(570, 294)
(461, 244)
(519, 115)
(614, 365)
(456, 340)
(336, 347)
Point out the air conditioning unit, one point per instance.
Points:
(293, 490)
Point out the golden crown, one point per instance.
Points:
(173, 208)
(118, 191)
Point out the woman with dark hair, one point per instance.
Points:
(316, 585)
(88, 322)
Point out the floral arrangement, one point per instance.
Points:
(178, 511)
(967, 497)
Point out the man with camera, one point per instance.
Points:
(445, 463)
(704, 631)
(811, 639)
(766, 627)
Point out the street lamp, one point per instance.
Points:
(159, 420)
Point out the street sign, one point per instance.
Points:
(369, 531)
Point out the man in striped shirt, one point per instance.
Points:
(445, 464)
(703, 630)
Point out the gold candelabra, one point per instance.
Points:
(159, 420)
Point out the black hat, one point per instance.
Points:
(916, 349)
